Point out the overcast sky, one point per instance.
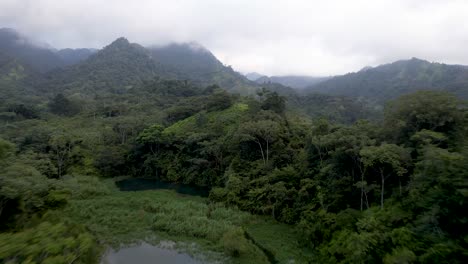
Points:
(273, 37)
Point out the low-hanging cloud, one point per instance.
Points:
(271, 37)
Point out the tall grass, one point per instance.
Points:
(118, 218)
(127, 217)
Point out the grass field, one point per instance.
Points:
(118, 218)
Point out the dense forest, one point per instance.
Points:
(389, 81)
(316, 178)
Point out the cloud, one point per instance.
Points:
(271, 37)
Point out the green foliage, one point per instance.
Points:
(337, 109)
(60, 105)
(48, 243)
(236, 245)
(23, 192)
(6, 149)
(411, 114)
(390, 81)
(279, 241)
(323, 178)
(272, 101)
(25, 111)
(127, 217)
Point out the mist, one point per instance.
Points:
(271, 37)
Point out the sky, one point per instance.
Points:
(272, 37)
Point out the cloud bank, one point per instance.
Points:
(274, 37)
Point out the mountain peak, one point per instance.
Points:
(389, 81)
(416, 59)
(253, 76)
(122, 45)
(366, 68)
(120, 42)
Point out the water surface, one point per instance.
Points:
(141, 184)
(147, 254)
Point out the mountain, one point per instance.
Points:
(17, 81)
(253, 76)
(74, 56)
(38, 57)
(121, 65)
(293, 81)
(196, 63)
(117, 67)
(389, 81)
(191, 59)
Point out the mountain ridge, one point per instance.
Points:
(391, 80)
(122, 65)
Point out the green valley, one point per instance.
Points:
(375, 176)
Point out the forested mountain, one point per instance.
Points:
(40, 58)
(73, 56)
(117, 67)
(121, 66)
(316, 178)
(196, 63)
(176, 61)
(253, 76)
(17, 81)
(293, 81)
(392, 80)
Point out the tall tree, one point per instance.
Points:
(263, 133)
(387, 160)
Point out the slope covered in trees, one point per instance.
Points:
(73, 56)
(117, 67)
(40, 58)
(303, 179)
(196, 63)
(294, 81)
(392, 80)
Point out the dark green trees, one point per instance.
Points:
(263, 133)
(60, 105)
(272, 101)
(386, 159)
(425, 110)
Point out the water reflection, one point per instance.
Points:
(147, 254)
(140, 184)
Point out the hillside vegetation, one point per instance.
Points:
(293, 179)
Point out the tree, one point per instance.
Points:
(439, 188)
(61, 147)
(6, 149)
(60, 105)
(339, 150)
(428, 110)
(153, 137)
(25, 111)
(386, 159)
(272, 101)
(263, 133)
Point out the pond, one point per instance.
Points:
(147, 254)
(142, 184)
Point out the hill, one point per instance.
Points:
(293, 81)
(38, 57)
(196, 63)
(392, 80)
(253, 76)
(122, 65)
(116, 68)
(74, 56)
